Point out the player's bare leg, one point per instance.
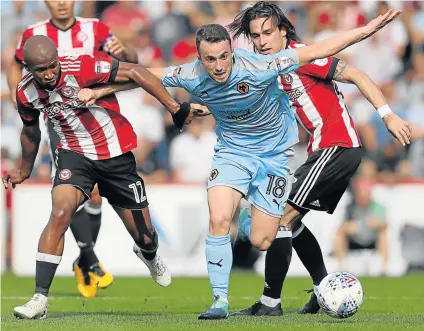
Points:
(139, 225)
(65, 201)
(223, 202)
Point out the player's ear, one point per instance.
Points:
(283, 32)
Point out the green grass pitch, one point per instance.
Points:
(140, 304)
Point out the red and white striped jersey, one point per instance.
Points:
(318, 104)
(85, 36)
(99, 131)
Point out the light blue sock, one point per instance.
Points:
(219, 259)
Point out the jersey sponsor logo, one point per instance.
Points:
(69, 91)
(101, 67)
(214, 174)
(82, 36)
(294, 94)
(65, 174)
(242, 88)
(58, 107)
(287, 78)
(320, 62)
(237, 115)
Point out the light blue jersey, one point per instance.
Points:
(252, 114)
(255, 126)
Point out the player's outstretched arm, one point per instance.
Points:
(90, 95)
(334, 45)
(30, 141)
(400, 129)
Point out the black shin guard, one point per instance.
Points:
(309, 252)
(148, 250)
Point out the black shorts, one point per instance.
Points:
(117, 178)
(320, 182)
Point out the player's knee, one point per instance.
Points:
(61, 215)
(260, 242)
(219, 224)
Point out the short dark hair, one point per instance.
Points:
(262, 9)
(212, 33)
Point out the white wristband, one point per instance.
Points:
(384, 110)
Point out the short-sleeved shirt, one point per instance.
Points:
(98, 131)
(85, 36)
(252, 114)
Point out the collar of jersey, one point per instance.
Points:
(75, 22)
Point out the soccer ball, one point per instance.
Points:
(340, 294)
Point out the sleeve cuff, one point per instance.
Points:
(114, 71)
(332, 70)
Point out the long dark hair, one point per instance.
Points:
(262, 9)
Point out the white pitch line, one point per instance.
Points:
(246, 298)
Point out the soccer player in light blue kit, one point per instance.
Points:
(255, 130)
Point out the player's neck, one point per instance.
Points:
(284, 44)
(63, 24)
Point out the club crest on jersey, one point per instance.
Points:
(69, 91)
(214, 174)
(102, 67)
(288, 78)
(82, 36)
(242, 88)
(65, 174)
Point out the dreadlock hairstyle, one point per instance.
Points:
(262, 9)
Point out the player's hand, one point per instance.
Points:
(400, 129)
(381, 21)
(89, 96)
(200, 110)
(14, 177)
(116, 48)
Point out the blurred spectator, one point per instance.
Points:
(364, 227)
(169, 29)
(350, 15)
(395, 35)
(191, 153)
(16, 16)
(389, 157)
(125, 19)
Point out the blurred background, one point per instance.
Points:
(378, 227)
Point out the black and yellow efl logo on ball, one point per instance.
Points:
(214, 174)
